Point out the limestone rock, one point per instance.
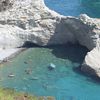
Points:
(5, 4)
(47, 26)
(91, 63)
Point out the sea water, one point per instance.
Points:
(31, 74)
(30, 68)
(75, 7)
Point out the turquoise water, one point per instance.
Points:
(64, 83)
(75, 7)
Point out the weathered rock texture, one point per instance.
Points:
(5, 4)
(91, 63)
(31, 20)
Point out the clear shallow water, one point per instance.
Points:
(75, 7)
(64, 82)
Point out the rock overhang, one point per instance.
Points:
(33, 21)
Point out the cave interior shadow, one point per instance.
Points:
(72, 52)
(75, 53)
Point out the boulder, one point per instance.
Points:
(91, 64)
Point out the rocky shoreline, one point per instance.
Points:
(31, 21)
(7, 54)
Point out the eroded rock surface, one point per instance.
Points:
(31, 20)
(91, 64)
(5, 4)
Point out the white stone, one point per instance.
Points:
(91, 63)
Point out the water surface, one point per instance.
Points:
(30, 68)
(75, 7)
(64, 82)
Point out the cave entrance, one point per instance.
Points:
(29, 44)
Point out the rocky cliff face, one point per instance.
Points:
(31, 20)
(91, 64)
(5, 4)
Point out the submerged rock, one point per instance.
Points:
(28, 71)
(51, 66)
(25, 62)
(34, 78)
(11, 75)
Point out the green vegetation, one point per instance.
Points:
(10, 94)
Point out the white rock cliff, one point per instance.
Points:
(31, 20)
